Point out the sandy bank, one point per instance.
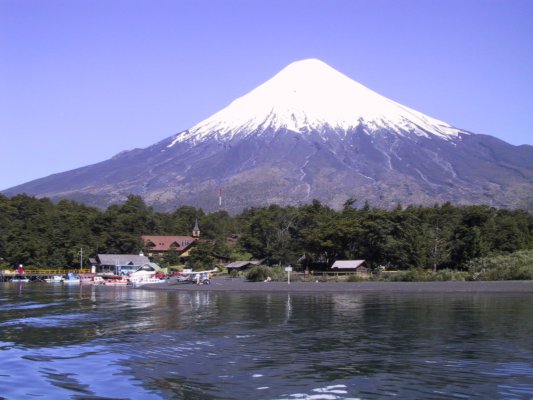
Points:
(239, 285)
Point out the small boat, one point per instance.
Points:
(87, 279)
(54, 279)
(116, 280)
(145, 281)
(98, 280)
(71, 278)
(19, 279)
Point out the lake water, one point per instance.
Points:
(61, 342)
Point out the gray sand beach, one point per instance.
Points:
(240, 285)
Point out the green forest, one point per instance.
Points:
(41, 234)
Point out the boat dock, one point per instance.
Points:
(38, 275)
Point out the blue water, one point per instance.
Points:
(64, 342)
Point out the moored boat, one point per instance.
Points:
(54, 279)
(98, 280)
(115, 280)
(18, 279)
(145, 281)
(87, 279)
(71, 279)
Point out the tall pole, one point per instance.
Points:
(81, 258)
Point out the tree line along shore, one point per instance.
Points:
(441, 242)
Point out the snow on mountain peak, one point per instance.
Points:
(308, 95)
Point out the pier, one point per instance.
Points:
(39, 275)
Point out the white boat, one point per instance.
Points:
(87, 279)
(115, 280)
(98, 280)
(145, 281)
(19, 280)
(72, 279)
(54, 279)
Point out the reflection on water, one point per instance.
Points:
(97, 342)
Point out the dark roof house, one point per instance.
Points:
(121, 259)
(350, 266)
(241, 265)
(119, 263)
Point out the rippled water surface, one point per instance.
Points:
(62, 342)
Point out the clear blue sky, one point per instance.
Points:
(82, 80)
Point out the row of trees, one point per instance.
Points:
(39, 233)
(443, 236)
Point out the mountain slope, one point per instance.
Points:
(309, 132)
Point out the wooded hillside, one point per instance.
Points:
(41, 234)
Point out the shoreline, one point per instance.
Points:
(220, 284)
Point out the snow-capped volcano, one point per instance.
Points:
(310, 95)
(308, 133)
